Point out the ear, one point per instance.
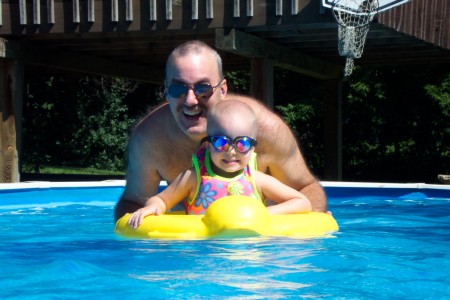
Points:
(224, 89)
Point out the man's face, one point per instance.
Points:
(187, 75)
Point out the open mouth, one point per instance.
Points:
(192, 112)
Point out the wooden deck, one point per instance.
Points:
(132, 38)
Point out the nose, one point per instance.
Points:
(232, 149)
(190, 98)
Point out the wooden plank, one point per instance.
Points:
(236, 9)
(114, 11)
(51, 11)
(249, 8)
(294, 7)
(76, 11)
(279, 7)
(91, 10)
(23, 12)
(36, 12)
(169, 12)
(247, 45)
(153, 10)
(194, 14)
(209, 9)
(129, 10)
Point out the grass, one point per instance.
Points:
(45, 169)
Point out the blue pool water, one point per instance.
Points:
(58, 243)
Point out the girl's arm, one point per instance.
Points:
(175, 192)
(289, 200)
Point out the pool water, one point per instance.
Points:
(388, 247)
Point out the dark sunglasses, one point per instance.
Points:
(201, 90)
(222, 143)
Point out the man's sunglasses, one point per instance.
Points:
(223, 143)
(201, 90)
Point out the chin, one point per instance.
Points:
(196, 131)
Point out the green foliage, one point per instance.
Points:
(83, 122)
(441, 94)
(396, 124)
(392, 131)
(298, 99)
(238, 82)
(47, 120)
(103, 122)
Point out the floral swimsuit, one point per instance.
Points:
(211, 186)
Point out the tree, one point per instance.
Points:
(101, 135)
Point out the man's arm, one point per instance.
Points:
(280, 156)
(142, 180)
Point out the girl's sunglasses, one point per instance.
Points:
(201, 90)
(223, 143)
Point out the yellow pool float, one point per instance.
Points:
(231, 216)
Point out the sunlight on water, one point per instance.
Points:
(386, 248)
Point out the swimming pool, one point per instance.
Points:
(57, 241)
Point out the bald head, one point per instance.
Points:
(194, 47)
(232, 116)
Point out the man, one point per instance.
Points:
(162, 143)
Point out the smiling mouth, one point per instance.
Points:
(191, 112)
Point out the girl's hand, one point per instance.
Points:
(136, 218)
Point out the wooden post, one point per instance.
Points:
(333, 129)
(11, 79)
(261, 85)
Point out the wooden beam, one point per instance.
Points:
(11, 87)
(23, 12)
(90, 65)
(261, 76)
(153, 11)
(236, 8)
(114, 10)
(91, 11)
(169, 12)
(332, 118)
(76, 11)
(51, 11)
(36, 12)
(9, 49)
(194, 14)
(129, 10)
(249, 8)
(247, 45)
(209, 9)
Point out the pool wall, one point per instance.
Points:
(39, 192)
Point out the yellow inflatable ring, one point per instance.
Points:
(232, 216)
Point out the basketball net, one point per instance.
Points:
(353, 17)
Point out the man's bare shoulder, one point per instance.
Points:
(156, 117)
(268, 121)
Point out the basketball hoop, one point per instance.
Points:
(353, 18)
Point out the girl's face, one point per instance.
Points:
(230, 159)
